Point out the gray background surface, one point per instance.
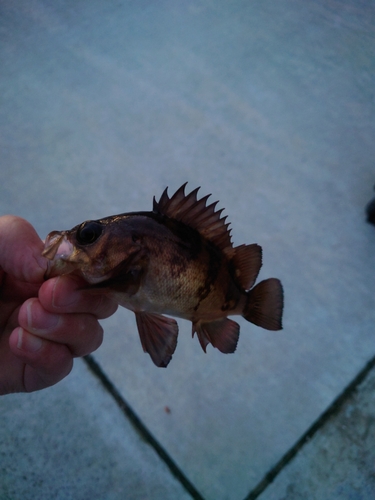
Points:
(267, 105)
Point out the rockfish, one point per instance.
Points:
(176, 260)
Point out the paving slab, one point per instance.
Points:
(339, 462)
(73, 442)
(269, 107)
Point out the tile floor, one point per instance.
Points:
(269, 107)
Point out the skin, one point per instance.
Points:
(43, 324)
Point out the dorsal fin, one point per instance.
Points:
(247, 260)
(196, 214)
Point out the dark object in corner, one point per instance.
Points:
(370, 211)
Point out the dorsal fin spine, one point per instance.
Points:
(195, 213)
(190, 209)
(163, 198)
(183, 202)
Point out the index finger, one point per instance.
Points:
(66, 294)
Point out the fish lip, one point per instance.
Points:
(48, 270)
(57, 249)
(62, 259)
(52, 244)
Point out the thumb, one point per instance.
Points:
(21, 249)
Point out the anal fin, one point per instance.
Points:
(158, 336)
(222, 334)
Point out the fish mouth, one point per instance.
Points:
(58, 250)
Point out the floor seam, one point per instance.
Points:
(313, 429)
(140, 427)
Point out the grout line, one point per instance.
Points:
(141, 428)
(317, 425)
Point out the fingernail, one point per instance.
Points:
(28, 342)
(39, 320)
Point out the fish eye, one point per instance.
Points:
(88, 232)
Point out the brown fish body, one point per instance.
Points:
(176, 260)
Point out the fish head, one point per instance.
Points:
(92, 250)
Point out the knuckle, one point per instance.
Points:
(88, 336)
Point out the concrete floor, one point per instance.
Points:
(269, 106)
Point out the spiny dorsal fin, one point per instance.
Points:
(247, 261)
(196, 214)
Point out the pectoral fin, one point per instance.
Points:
(222, 334)
(158, 336)
(126, 276)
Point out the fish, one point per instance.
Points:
(177, 260)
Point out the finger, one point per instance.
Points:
(81, 332)
(35, 363)
(21, 249)
(65, 294)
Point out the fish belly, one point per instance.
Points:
(183, 292)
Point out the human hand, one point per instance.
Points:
(43, 324)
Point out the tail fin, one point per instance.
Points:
(265, 304)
